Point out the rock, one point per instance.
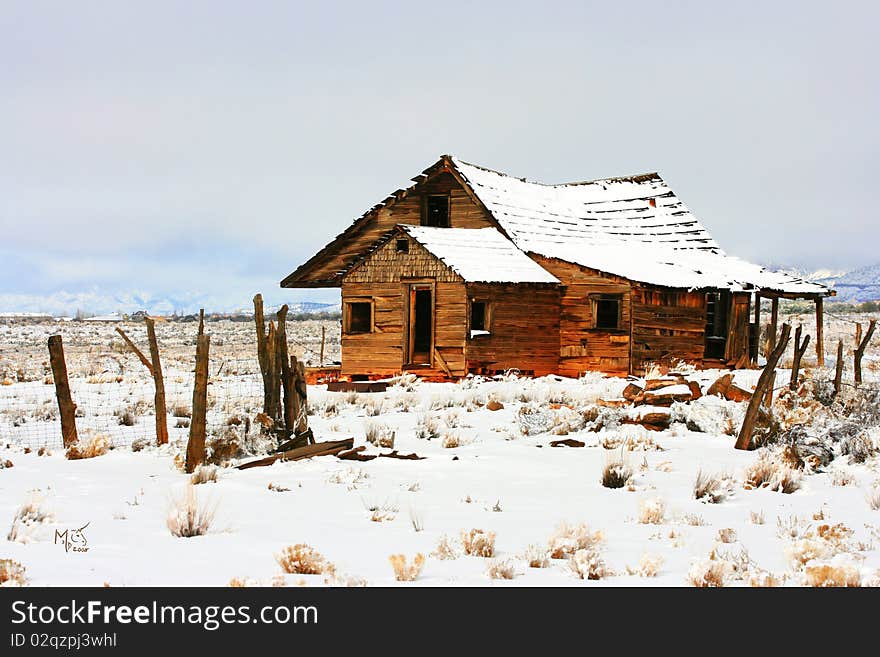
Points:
(494, 405)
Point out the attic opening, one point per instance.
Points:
(402, 246)
(435, 211)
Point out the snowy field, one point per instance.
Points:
(809, 513)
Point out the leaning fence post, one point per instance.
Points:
(744, 439)
(195, 447)
(66, 407)
(860, 351)
(159, 383)
(838, 368)
(799, 351)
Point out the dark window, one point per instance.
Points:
(478, 316)
(360, 317)
(403, 246)
(436, 211)
(608, 311)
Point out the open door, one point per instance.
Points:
(421, 325)
(717, 324)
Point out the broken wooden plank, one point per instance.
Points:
(357, 386)
(721, 385)
(567, 442)
(137, 352)
(405, 457)
(356, 455)
(631, 391)
(328, 448)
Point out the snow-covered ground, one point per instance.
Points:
(492, 470)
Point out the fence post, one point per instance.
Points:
(860, 350)
(159, 384)
(323, 338)
(66, 407)
(282, 368)
(799, 351)
(744, 440)
(195, 447)
(838, 368)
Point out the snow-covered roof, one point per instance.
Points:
(632, 227)
(480, 255)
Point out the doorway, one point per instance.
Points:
(717, 319)
(421, 325)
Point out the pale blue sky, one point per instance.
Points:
(200, 151)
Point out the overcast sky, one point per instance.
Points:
(200, 151)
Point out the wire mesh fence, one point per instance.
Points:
(120, 406)
(114, 392)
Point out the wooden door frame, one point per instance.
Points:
(410, 285)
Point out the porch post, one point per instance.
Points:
(756, 349)
(820, 333)
(774, 320)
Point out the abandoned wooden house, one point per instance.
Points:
(471, 270)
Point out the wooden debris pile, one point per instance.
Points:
(665, 391)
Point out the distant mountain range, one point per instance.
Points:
(854, 286)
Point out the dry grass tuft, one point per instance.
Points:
(478, 543)
(445, 550)
(303, 559)
(568, 539)
(712, 489)
(617, 473)
(764, 580)
(873, 498)
(537, 556)
(406, 572)
(771, 470)
(88, 448)
(726, 535)
(756, 517)
(204, 474)
(832, 576)
(29, 515)
(380, 435)
(11, 573)
(709, 573)
(588, 564)
(694, 520)
(187, 518)
(649, 566)
(501, 569)
(652, 511)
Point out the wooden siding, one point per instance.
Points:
(523, 326)
(667, 325)
(463, 212)
(386, 265)
(385, 277)
(581, 346)
(738, 331)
